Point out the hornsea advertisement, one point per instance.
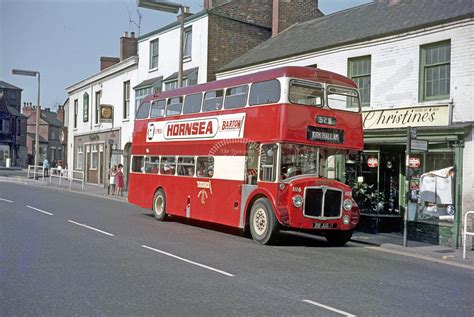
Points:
(230, 126)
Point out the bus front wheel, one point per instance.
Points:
(264, 226)
(338, 238)
(159, 205)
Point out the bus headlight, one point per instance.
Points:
(297, 201)
(347, 204)
(346, 219)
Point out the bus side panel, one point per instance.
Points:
(175, 204)
(136, 187)
(225, 202)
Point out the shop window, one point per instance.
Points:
(94, 156)
(168, 165)
(137, 164)
(264, 92)
(374, 177)
(186, 166)
(205, 166)
(360, 72)
(79, 158)
(435, 68)
(433, 191)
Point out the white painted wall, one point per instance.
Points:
(169, 51)
(111, 86)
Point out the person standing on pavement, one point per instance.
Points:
(119, 180)
(112, 174)
(45, 167)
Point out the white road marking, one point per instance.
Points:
(8, 201)
(92, 228)
(42, 211)
(188, 261)
(329, 308)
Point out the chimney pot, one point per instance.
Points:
(132, 34)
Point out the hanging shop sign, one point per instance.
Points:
(425, 116)
(373, 162)
(414, 162)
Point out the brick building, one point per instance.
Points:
(50, 130)
(12, 127)
(409, 58)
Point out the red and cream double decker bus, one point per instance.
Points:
(250, 151)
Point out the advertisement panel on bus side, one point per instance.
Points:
(230, 126)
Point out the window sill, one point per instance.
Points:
(440, 100)
(187, 59)
(151, 70)
(126, 120)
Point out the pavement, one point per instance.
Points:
(384, 242)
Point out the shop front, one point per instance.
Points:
(94, 153)
(424, 182)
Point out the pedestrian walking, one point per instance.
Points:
(112, 175)
(119, 180)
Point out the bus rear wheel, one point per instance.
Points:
(338, 238)
(159, 205)
(264, 226)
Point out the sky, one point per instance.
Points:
(64, 39)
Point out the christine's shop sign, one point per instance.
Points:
(219, 127)
(406, 117)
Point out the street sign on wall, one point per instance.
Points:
(419, 145)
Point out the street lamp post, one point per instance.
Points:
(166, 6)
(33, 73)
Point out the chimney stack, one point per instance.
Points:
(60, 113)
(106, 62)
(185, 14)
(128, 45)
(286, 13)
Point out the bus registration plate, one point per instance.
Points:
(319, 225)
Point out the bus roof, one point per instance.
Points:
(308, 73)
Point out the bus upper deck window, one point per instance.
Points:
(265, 92)
(236, 97)
(306, 93)
(213, 100)
(342, 98)
(192, 103)
(158, 109)
(174, 106)
(143, 110)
